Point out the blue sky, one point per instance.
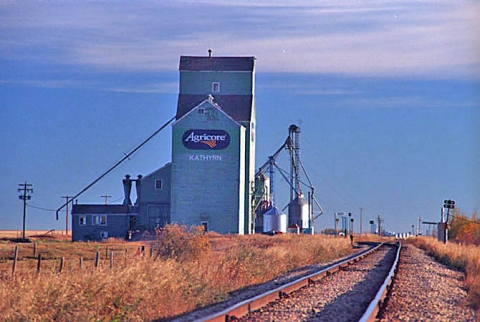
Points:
(387, 94)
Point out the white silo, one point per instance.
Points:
(274, 220)
(298, 212)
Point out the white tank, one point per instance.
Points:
(298, 212)
(273, 219)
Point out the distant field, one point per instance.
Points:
(28, 233)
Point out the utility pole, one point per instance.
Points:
(25, 189)
(419, 231)
(350, 225)
(379, 226)
(361, 220)
(66, 213)
(106, 198)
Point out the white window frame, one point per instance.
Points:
(216, 87)
(99, 220)
(161, 184)
(102, 220)
(82, 220)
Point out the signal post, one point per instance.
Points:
(443, 225)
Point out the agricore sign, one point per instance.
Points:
(206, 139)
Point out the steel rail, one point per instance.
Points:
(254, 303)
(376, 304)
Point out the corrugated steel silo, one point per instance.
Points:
(298, 212)
(273, 219)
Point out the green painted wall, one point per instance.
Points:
(231, 83)
(235, 83)
(209, 185)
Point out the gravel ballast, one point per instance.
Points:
(343, 296)
(425, 290)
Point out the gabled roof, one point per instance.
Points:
(193, 63)
(209, 100)
(158, 170)
(233, 105)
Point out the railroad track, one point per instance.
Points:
(350, 290)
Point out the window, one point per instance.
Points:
(205, 226)
(103, 220)
(215, 87)
(99, 220)
(104, 234)
(82, 220)
(201, 111)
(158, 184)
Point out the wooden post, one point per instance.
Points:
(81, 262)
(61, 264)
(97, 258)
(39, 260)
(106, 252)
(111, 259)
(126, 256)
(151, 250)
(34, 249)
(15, 255)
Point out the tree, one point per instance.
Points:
(463, 229)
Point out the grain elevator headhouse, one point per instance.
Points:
(213, 144)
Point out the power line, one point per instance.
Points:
(117, 199)
(117, 164)
(106, 198)
(40, 208)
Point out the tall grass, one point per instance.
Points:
(463, 257)
(190, 269)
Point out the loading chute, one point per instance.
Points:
(114, 166)
(301, 211)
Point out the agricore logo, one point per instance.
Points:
(206, 139)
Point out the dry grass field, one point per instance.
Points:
(463, 257)
(29, 233)
(187, 270)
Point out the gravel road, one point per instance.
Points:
(425, 290)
